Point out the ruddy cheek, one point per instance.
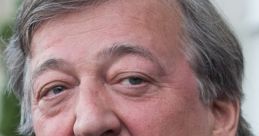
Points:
(59, 125)
(147, 118)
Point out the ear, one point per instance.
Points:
(225, 117)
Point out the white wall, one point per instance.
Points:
(243, 15)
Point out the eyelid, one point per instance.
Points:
(47, 87)
(145, 89)
(51, 78)
(124, 75)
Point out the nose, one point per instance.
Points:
(94, 117)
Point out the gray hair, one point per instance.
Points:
(213, 52)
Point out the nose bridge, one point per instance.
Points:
(89, 107)
(94, 116)
(90, 97)
(89, 102)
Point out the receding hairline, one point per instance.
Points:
(174, 16)
(89, 5)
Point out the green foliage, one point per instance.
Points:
(10, 113)
(10, 109)
(6, 31)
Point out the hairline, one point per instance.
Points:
(184, 41)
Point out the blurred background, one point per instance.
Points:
(9, 108)
(242, 16)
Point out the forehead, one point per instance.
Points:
(147, 21)
(152, 14)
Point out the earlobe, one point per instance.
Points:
(225, 115)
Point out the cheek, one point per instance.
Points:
(165, 116)
(60, 123)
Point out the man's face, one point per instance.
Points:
(115, 69)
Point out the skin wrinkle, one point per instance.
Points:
(86, 32)
(113, 53)
(139, 107)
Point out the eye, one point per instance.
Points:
(54, 90)
(133, 80)
(57, 89)
(133, 84)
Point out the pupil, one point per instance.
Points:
(58, 89)
(135, 80)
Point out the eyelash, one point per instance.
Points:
(49, 87)
(120, 78)
(145, 84)
(138, 82)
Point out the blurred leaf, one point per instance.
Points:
(6, 32)
(11, 115)
(10, 112)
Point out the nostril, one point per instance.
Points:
(108, 133)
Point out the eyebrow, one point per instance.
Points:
(117, 51)
(50, 64)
